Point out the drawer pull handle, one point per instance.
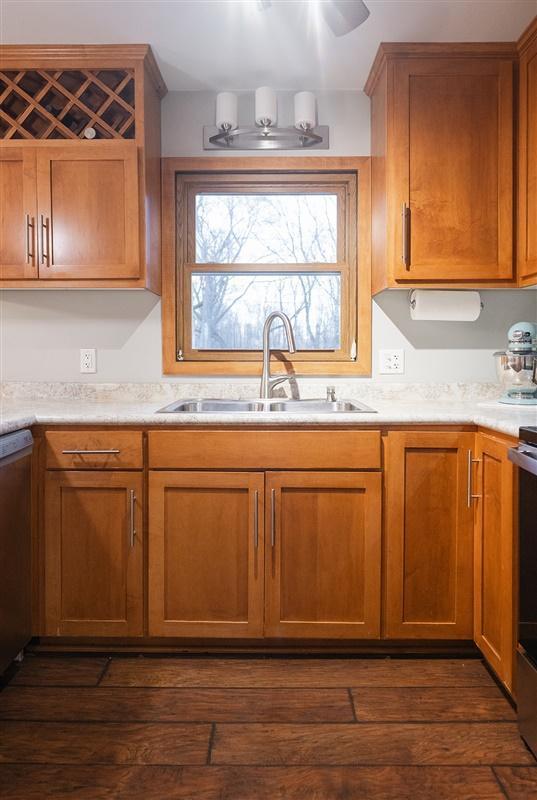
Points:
(405, 255)
(256, 519)
(91, 452)
(30, 226)
(45, 240)
(470, 488)
(273, 518)
(131, 517)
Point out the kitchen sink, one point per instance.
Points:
(275, 405)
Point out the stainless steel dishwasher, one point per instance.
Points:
(15, 543)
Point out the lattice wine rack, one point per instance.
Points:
(67, 104)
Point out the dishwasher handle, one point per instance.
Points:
(14, 446)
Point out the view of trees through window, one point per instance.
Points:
(229, 306)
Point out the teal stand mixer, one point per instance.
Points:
(516, 366)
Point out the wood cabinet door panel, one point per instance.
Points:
(93, 554)
(429, 537)
(494, 559)
(323, 554)
(453, 167)
(88, 212)
(206, 554)
(527, 187)
(18, 256)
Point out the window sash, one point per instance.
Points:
(342, 184)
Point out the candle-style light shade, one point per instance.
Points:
(266, 106)
(305, 110)
(226, 111)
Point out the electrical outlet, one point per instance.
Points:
(391, 362)
(88, 361)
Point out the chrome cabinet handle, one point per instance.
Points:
(91, 452)
(132, 520)
(469, 483)
(273, 517)
(405, 217)
(30, 239)
(256, 519)
(45, 239)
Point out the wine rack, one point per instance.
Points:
(67, 104)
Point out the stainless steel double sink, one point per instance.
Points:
(273, 405)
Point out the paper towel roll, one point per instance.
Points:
(444, 306)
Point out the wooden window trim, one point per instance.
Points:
(209, 166)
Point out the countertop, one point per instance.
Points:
(16, 414)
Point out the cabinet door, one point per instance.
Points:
(452, 144)
(206, 554)
(494, 542)
(93, 554)
(322, 570)
(88, 212)
(527, 186)
(18, 256)
(429, 536)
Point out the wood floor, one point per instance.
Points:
(259, 729)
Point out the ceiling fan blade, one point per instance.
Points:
(343, 16)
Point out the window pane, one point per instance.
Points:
(266, 229)
(228, 310)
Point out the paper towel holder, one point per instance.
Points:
(412, 300)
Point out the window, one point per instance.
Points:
(246, 243)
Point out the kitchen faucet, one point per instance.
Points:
(268, 383)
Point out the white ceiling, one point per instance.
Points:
(230, 44)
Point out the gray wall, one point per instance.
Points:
(42, 331)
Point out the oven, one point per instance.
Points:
(525, 458)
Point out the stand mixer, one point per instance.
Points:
(516, 366)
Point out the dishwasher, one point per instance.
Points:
(15, 544)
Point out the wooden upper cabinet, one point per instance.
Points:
(527, 158)
(88, 119)
(428, 536)
(442, 165)
(206, 554)
(93, 554)
(87, 199)
(494, 557)
(18, 252)
(322, 554)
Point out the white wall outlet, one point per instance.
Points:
(391, 362)
(88, 360)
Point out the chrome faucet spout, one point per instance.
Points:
(268, 383)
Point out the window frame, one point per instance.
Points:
(182, 177)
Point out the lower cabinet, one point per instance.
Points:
(494, 557)
(218, 541)
(206, 554)
(93, 553)
(428, 536)
(323, 554)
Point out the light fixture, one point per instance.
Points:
(226, 111)
(343, 16)
(266, 134)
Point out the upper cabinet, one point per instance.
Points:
(442, 165)
(527, 158)
(80, 166)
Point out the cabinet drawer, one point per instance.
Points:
(266, 449)
(107, 449)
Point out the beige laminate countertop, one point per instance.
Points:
(16, 414)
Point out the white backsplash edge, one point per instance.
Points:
(243, 389)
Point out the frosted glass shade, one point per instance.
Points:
(226, 111)
(266, 106)
(305, 110)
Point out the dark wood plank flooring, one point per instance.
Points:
(259, 729)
